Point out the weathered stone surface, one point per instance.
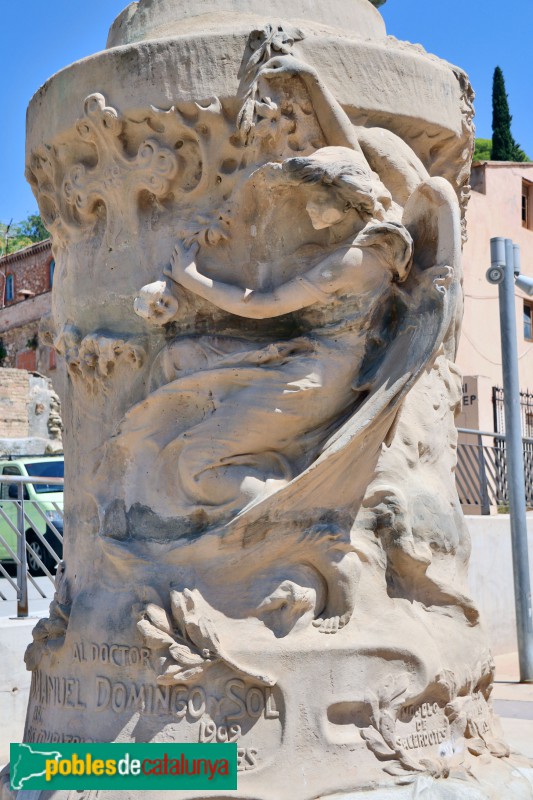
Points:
(30, 421)
(152, 19)
(257, 234)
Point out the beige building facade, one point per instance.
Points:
(501, 204)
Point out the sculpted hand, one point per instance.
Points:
(286, 67)
(182, 258)
(155, 303)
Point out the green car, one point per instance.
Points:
(48, 498)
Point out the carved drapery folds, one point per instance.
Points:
(262, 355)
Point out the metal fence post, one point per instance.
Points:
(515, 455)
(484, 490)
(22, 577)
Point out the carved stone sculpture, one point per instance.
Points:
(257, 230)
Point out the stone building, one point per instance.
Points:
(26, 278)
(30, 420)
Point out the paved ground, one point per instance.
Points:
(38, 606)
(513, 702)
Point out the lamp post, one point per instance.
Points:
(504, 270)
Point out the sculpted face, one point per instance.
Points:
(324, 206)
(156, 303)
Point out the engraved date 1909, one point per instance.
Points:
(246, 756)
(209, 732)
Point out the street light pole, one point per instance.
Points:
(504, 258)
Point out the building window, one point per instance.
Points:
(527, 203)
(477, 179)
(528, 319)
(26, 359)
(10, 288)
(51, 269)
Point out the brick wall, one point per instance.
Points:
(20, 317)
(30, 413)
(30, 269)
(14, 391)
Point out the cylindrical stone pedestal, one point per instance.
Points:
(256, 220)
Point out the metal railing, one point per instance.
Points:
(481, 472)
(28, 514)
(526, 410)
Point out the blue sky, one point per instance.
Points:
(39, 38)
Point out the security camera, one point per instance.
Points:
(495, 275)
(526, 284)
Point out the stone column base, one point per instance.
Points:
(503, 780)
(505, 783)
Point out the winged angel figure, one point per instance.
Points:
(262, 443)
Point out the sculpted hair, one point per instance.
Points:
(339, 168)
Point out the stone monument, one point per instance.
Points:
(256, 208)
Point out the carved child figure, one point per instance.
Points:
(275, 404)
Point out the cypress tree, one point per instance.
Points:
(504, 147)
(502, 140)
